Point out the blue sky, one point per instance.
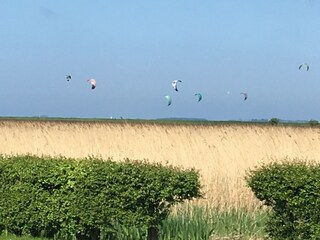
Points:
(134, 49)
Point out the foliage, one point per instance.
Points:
(313, 123)
(14, 237)
(165, 121)
(292, 190)
(194, 223)
(274, 121)
(85, 198)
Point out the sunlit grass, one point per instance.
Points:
(201, 223)
(195, 223)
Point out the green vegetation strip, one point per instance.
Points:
(204, 223)
(167, 121)
(198, 223)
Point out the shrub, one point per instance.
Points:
(313, 123)
(66, 198)
(274, 121)
(292, 190)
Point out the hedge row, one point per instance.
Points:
(292, 190)
(88, 198)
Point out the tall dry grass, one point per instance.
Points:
(222, 153)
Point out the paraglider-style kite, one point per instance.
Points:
(304, 65)
(199, 96)
(245, 95)
(169, 99)
(93, 83)
(68, 77)
(175, 84)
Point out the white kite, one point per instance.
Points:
(93, 83)
(175, 84)
(245, 95)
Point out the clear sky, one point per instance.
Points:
(134, 49)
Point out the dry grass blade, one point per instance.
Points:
(222, 153)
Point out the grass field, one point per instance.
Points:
(222, 152)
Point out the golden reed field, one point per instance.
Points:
(222, 153)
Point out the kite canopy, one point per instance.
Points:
(245, 95)
(304, 66)
(175, 84)
(169, 99)
(68, 77)
(199, 96)
(93, 83)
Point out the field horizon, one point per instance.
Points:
(222, 152)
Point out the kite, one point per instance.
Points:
(93, 83)
(175, 84)
(68, 77)
(169, 99)
(199, 96)
(304, 65)
(245, 95)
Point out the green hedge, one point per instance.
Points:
(292, 190)
(88, 198)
